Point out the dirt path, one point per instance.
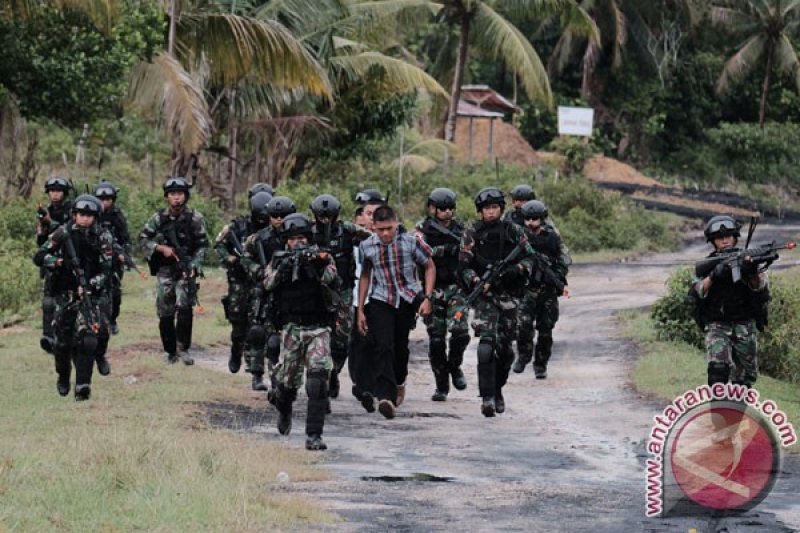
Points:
(567, 455)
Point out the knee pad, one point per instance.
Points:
(485, 351)
(274, 348)
(256, 337)
(87, 343)
(49, 304)
(718, 372)
(317, 384)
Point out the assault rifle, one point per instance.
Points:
(544, 273)
(759, 259)
(443, 230)
(90, 312)
(300, 257)
(128, 261)
(184, 263)
(493, 271)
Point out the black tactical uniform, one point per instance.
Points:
(115, 221)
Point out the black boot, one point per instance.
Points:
(183, 329)
(103, 365)
(437, 353)
(317, 391)
(235, 359)
(83, 392)
(284, 398)
(456, 356)
(487, 406)
(544, 347)
(258, 382)
(166, 327)
(499, 402)
(64, 370)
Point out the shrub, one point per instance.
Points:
(779, 355)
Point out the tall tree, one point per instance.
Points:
(767, 27)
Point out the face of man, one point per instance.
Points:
(491, 212)
(176, 199)
(723, 243)
(369, 210)
(84, 220)
(107, 202)
(276, 221)
(534, 224)
(386, 230)
(324, 220)
(445, 215)
(296, 241)
(517, 203)
(55, 197)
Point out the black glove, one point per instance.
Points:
(749, 268)
(720, 272)
(513, 274)
(285, 267)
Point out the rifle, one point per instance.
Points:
(184, 263)
(761, 258)
(492, 272)
(545, 274)
(90, 313)
(443, 230)
(128, 261)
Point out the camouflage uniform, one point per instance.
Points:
(340, 242)
(730, 312)
(450, 311)
(495, 320)
(539, 306)
(59, 214)
(238, 301)
(115, 221)
(303, 311)
(263, 341)
(177, 294)
(81, 336)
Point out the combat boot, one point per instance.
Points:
(315, 442)
(187, 359)
(284, 398)
(499, 403)
(487, 406)
(235, 359)
(318, 401)
(442, 386)
(455, 357)
(258, 382)
(83, 392)
(103, 365)
(183, 329)
(544, 348)
(64, 370)
(171, 358)
(62, 385)
(114, 328)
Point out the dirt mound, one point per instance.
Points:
(509, 146)
(602, 169)
(692, 207)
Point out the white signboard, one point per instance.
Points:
(575, 121)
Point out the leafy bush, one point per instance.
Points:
(19, 278)
(576, 150)
(779, 354)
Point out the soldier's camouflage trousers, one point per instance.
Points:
(76, 340)
(734, 343)
(116, 292)
(340, 336)
(538, 310)
(450, 313)
(302, 347)
(261, 335)
(495, 324)
(173, 296)
(237, 304)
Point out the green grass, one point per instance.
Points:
(138, 455)
(665, 370)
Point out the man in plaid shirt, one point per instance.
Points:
(388, 276)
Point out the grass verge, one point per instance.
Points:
(665, 370)
(142, 453)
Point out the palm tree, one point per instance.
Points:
(768, 27)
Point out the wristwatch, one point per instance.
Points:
(428, 297)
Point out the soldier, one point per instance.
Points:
(263, 340)
(114, 220)
(230, 250)
(483, 247)
(539, 306)
(298, 280)
(260, 187)
(339, 238)
(175, 243)
(48, 219)
(519, 195)
(443, 234)
(80, 255)
(731, 311)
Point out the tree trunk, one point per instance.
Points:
(458, 76)
(762, 111)
(233, 156)
(30, 170)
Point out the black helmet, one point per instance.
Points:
(260, 187)
(295, 224)
(369, 195)
(176, 184)
(442, 198)
(57, 183)
(523, 192)
(721, 226)
(86, 203)
(280, 206)
(258, 206)
(488, 196)
(326, 205)
(105, 189)
(534, 209)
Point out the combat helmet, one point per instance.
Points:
(722, 226)
(442, 198)
(523, 192)
(326, 205)
(488, 196)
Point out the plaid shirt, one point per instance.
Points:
(393, 267)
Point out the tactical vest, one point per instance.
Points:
(88, 249)
(340, 244)
(187, 245)
(727, 301)
(493, 242)
(301, 302)
(515, 216)
(270, 242)
(545, 242)
(112, 221)
(447, 266)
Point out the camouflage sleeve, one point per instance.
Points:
(250, 258)
(465, 257)
(699, 287)
(148, 237)
(329, 276)
(221, 244)
(271, 278)
(103, 278)
(123, 235)
(48, 252)
(360, 233)
(200, 239)
(527, 259)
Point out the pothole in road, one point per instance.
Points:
(416, 476)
